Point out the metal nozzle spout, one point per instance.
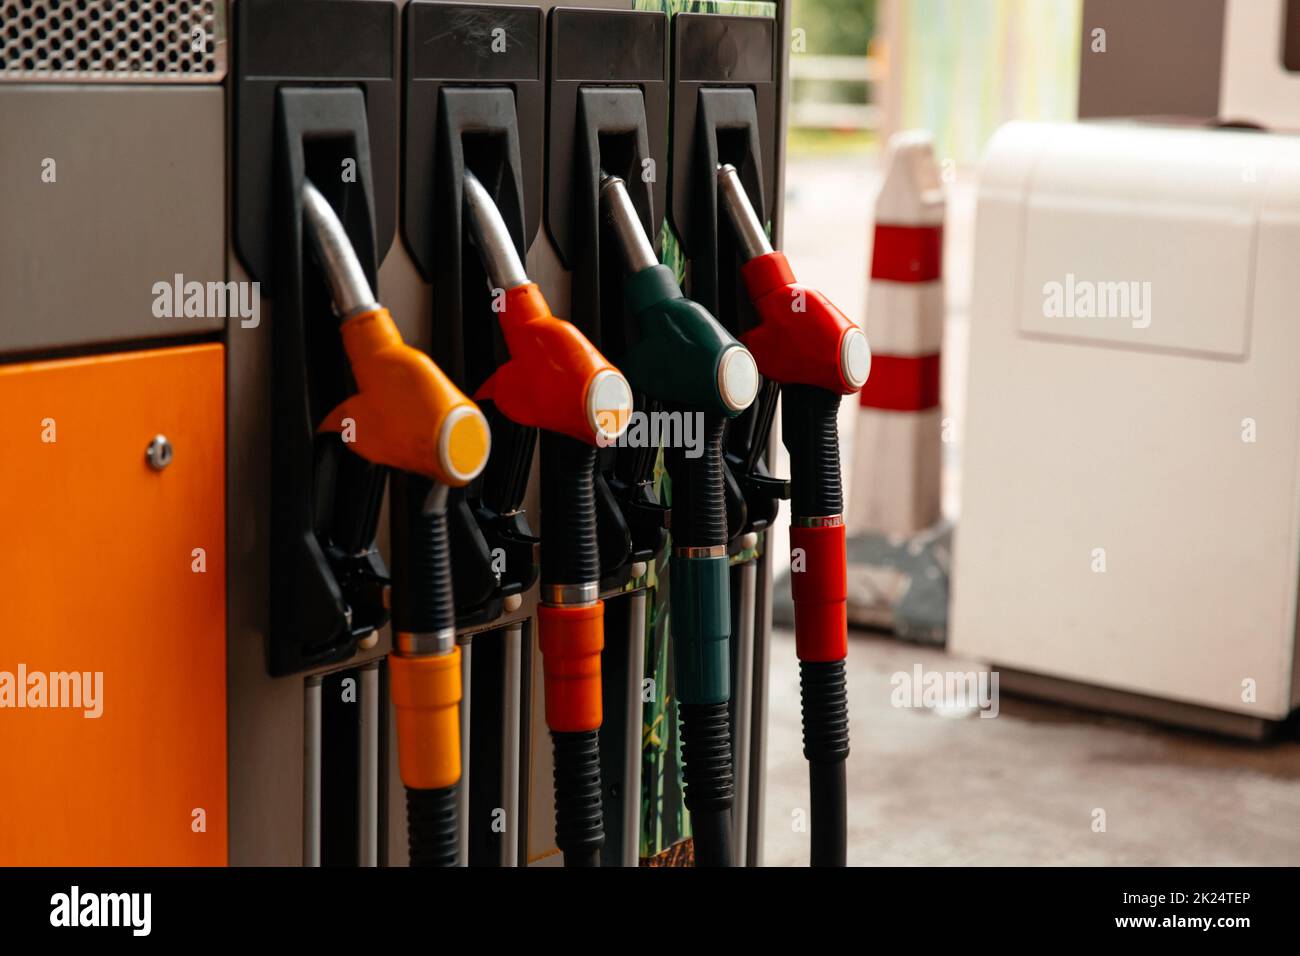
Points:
(349, 287)
(490, 235)
(617, 206)
(749, 231)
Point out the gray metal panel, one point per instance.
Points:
(633, 720)
(138, 196)
(368, 788)
(267, 731)
(1162, 58)
(311, 773)
(759, 705)
(742, 698)
(466, 708)
(510, 750)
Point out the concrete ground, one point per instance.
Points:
(1033, 785)
(934, 789)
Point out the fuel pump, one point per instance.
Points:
(556, 381)
(681, 356)
(817, 356)
(408, 416)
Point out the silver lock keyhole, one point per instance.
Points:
(159, 452)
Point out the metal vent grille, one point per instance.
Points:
(113, 41)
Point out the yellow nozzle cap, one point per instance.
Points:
(464, 443)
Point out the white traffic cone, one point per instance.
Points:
(897, 446)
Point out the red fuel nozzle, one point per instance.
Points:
(817, 355)
(801, 337)
(555, 380)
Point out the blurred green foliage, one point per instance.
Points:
(807, 141)
(835, 26)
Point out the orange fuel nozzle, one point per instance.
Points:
(555, 379)
(407, 413)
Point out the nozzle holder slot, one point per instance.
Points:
(476, 129)
(475, 100)
(611, 137)
(713, 56)
(466, 49)
(725, 97)
(609, 114)
(327, 578)
(592, 54)
(353, 43)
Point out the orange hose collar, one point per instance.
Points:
(426, 693)
(571, 639)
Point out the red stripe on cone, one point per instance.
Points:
(907, 253)
(902, 383)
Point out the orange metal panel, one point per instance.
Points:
(100, 575)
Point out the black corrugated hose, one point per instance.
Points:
(570, 555)
(423, 604)
(810, 433)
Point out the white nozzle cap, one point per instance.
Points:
(855, 358)
(737, 378)
(609, 405)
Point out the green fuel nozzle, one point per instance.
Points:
(682, 355)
